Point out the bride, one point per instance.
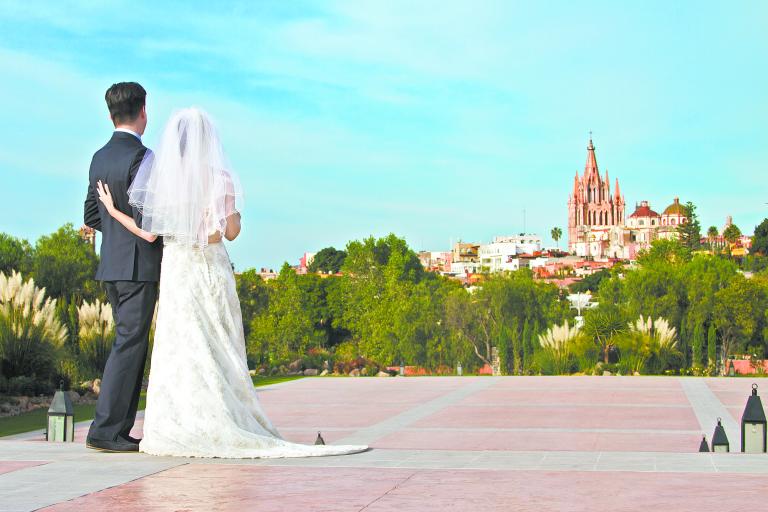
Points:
(200, 401)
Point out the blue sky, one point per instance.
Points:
(435, 120)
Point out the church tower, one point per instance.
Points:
(591, 206)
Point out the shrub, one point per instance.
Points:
(30, 331)
(97, 333)
(557, 342)
(647, 346)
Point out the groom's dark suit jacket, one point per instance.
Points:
(124, 256)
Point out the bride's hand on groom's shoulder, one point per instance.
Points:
(105, 196)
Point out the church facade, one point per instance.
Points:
(597, 227)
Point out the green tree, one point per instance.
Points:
(15, 254)
(690, 231)
(698, 346)
(683, 342)
(664, 251)
(328, 260)
(591, 282)
(732, 233)
(65, 264)
(253, 293)
(503, 344)
(288, 327)
(739, 313)
(556, 233)
(711, 345)
(760, 238)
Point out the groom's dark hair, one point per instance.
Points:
(125, 100)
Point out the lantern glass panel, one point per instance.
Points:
(70, 430)
(753, 437)
(720, 448)
(56, 428)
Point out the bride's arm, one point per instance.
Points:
(126, 220)
(233, 216)
(233, 226)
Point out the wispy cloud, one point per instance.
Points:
(346, 116)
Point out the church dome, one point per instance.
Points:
(643, 210)
(675, 208)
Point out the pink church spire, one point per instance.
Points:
(590, 168)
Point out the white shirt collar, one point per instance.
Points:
(126, 130)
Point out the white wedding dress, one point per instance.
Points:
(201, 401)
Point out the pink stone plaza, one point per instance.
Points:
(438, 443)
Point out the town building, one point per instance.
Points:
(594, 212)
(597, 228)
(504, 253)
(436, 261)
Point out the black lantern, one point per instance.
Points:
(459, 370)
(319, 439)
(703, 446)
(402, 370)
(753, 425)
(61, 418)
(719, 439)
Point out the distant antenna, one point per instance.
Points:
(523, 220)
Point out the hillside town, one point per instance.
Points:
(599, 235)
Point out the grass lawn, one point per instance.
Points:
(36, 419)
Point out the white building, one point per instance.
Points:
(464, 268)
(503, 253)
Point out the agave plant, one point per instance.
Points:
(97, 333)
(30, 330)
(556, 342)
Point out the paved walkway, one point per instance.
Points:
(442, 443)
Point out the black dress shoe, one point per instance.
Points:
(119, 445)
(132, 439)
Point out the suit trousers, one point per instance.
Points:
(133, 306)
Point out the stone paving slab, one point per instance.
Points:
(236, 488)
(469, 443)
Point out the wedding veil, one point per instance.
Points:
(184, 190)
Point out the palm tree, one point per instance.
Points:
(556, 234)
(712, 235)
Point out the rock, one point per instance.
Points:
(295, 365)
(382, 374)
(295, 373)
(262, 370)
(74, 396)
(636, 374)
(354, 373)
(5, 407)
(96, 386)
(606, 373)
(311, 372)
(23, 403)
(323, 373)
(283, 370)
(364, 371)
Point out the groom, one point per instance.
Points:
(129, 268)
